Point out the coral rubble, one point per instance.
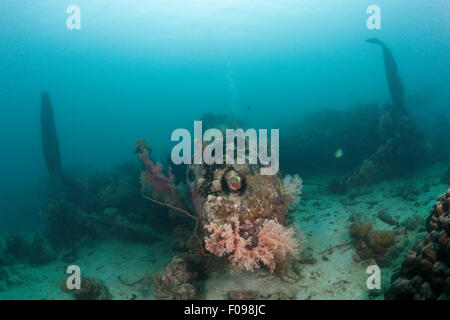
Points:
(242, 295)
(41, 251)
(425, 271)
(18, 248)
(371, 243)
(337, 187)
(92, 289)
(176, 282)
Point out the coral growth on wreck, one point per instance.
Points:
(243, 213)
(155, 183)
(403, 150)
(221, 191)
(153, 176)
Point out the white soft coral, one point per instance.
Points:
(292, 186)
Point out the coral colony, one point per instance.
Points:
(241, 206)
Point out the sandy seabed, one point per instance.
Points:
(323, 219)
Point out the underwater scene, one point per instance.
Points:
(225, 150)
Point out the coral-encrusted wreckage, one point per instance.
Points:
(376, 139)
(240, 214)
(243, 214)
(425, 272)
(402, 139)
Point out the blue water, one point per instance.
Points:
(140, 69)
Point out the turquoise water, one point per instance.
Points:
(141, 69)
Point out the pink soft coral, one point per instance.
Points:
(156, 186)
(274, 244)
(153, 177)
(164, 184)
